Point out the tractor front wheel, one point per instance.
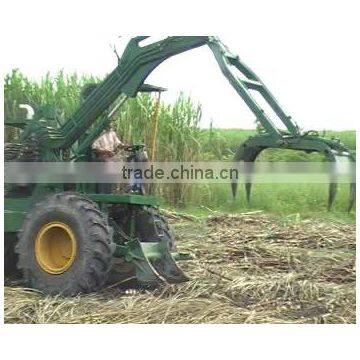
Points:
(65, 246)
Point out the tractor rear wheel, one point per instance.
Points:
(65, 246)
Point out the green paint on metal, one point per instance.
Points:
(124, 199)
(13, 220)
(16, 123)
(15, 211)
(153, 251)
(133, 252)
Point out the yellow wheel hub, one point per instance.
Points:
(55, 247)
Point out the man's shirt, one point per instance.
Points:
(107, 142)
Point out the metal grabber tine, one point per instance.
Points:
(352, 196)
(352, 193)
(237, 159)
(234, 182)
(249, 168)
(333, 185)
(248, 155)
(166, 266)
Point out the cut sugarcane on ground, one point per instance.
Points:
(247, 268)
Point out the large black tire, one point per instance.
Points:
(92, 262)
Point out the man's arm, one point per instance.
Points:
(117, 143)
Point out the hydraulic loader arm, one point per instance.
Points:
(134, 67)
(138, 62)
(248, 81)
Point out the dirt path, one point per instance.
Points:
(247, 269)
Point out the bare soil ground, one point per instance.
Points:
(250, 268)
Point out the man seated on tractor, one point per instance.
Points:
(108, 148)
(107, 145)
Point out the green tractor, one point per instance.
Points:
(67, 239)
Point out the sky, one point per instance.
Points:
(307, 56)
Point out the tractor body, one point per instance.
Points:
(67, 237)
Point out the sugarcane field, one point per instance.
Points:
(267, 260)
(180, 195)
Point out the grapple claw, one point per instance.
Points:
(333, 187)
(234, 186)
(248, 187)
(352, 196)
(248, 155)
(335, 158)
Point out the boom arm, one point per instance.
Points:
(134, 67)
(251, 81)
(137, 63)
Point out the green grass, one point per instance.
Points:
(307, 200)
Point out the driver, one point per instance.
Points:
(106, 148)
(107, 145)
